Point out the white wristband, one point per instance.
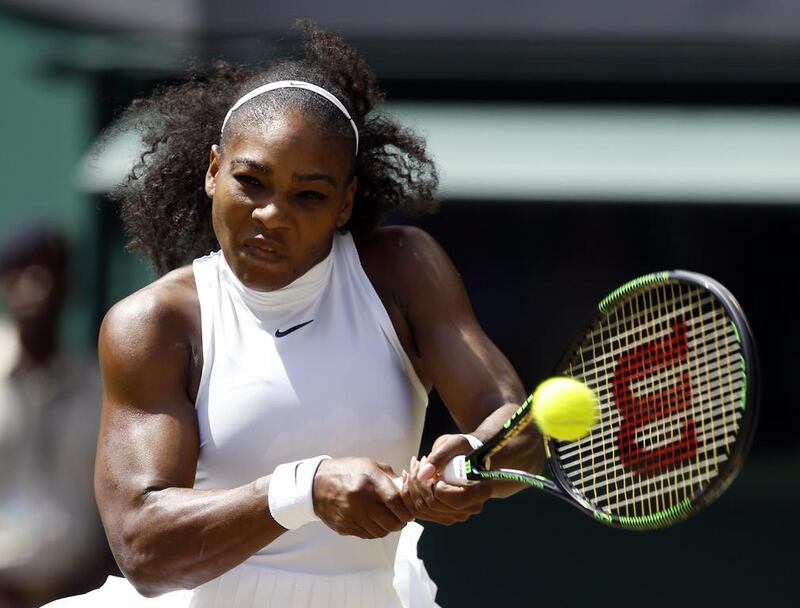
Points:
(474, 442)
(291, 492)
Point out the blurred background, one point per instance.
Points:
(580, 145)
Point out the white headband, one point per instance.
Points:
(292, 84)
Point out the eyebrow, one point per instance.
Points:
(313, 177)
(252, 165)
(267, 170)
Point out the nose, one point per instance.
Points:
(272, 214)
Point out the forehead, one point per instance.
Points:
(293, 139)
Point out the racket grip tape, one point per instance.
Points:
(455, 473)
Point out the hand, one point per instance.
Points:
(435, 500)
(357, 497)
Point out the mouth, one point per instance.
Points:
(266, 250)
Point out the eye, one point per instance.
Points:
(247, 180)
(312, 195)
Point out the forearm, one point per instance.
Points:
(180, 537)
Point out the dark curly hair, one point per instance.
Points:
(164, 207)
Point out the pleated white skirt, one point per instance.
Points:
(247, 586)
(250, 586)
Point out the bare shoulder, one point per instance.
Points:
(168, 304)
(409, 255)
(411, 266)
(157, 325)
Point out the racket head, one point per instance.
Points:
(678, 401)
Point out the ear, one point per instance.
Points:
(347, 209)
(213, 169)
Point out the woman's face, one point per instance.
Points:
(278, 195)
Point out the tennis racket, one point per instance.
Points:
(672, 362)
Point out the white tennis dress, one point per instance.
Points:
(313, 368)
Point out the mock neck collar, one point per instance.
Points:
(303, 290)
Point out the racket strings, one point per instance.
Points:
(593, 479)
(718, 393)
(651, 328)
(666, 365)
(604, 442)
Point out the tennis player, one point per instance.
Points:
(261, 399)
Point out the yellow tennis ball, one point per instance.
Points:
(564, 408)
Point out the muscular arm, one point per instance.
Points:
(164, 534)
(475, 380)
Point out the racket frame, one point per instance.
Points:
(558, 484)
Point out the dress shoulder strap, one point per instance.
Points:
(347, 255)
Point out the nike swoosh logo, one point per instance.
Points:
(281, 334)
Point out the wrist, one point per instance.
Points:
(474, 442)
(291, 492)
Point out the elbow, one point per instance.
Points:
(150, 577)
(149, 589)
(140, 568)
(137, 573)
(145, 589)
(150, 571)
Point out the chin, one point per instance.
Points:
(262, 271)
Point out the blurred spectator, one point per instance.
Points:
(51, 541)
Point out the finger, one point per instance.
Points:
(412, 494)
(420, 490)
(405, 494)
(354, 529)
(384, 517)
(391, 498)
(399, 508)
(441, 513)
(452, 502)
(440, 509)
(427, 470)
(472, 508)
(445, 519)
(386, 468)
(401, 480)
(427, 508)
(462, 497)
(442, 453)
(372, 524)
(402, 483)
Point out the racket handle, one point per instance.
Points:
(455, 473)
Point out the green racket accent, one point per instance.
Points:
(602, 517)
(658, 277)
(654, 520)
(744, 367)
(518, 421)
(736, 331)
(744, 382)
(531, 480)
